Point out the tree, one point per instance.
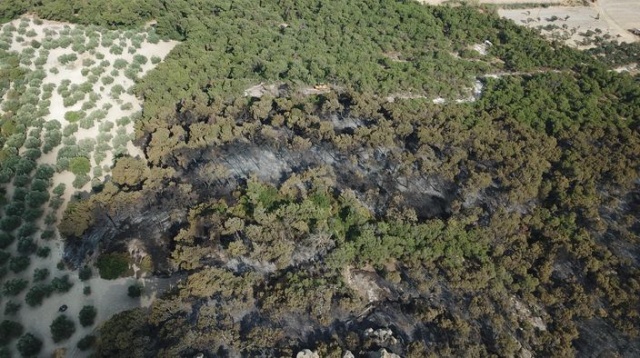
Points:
(134, 291)
(85, 273)
(5, 240)
(15, 286)
(11, 308)
(19, 263)
(86, 342)
(80, 165)
(29, 345)
(40, 274)
(87, 315)
(61, 284)
(62, 328)
(9, 330)
(112, 266)
(129, 172)
(37, 293)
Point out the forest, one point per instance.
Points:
(346, 210)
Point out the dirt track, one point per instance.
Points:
(623, 13)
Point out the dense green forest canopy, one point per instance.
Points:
(506, 225)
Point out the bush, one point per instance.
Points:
(59, 189)
(74, 116)
(87, 316)
(80, 165)
(40, 274)
(86, 290)
(37, 293)
(80, 181)
(107, 80)
(4, 257)
(9, 330)
(61, 284)
(47, 235)
(85, 273)
(29, 345)
(67, 58)
(15, 208)
(43, 251)
(62, 328)
(112, 266)
(139, 59)
(33, 214)
(86, 342)
(26, 246)
(19, 263)
(155, 60)
(5, 240)
(11, 308)
(14, 286)
(10, 223)
(134, 291)
(70, 129)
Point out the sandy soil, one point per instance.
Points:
(578, 21)
(499, 2)
(109, 297)
(623, 13)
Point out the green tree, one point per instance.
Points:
(80, 165)
(86, 342)
(134, 291)
(113, 265)
(29, 345)
(87, 315)
(62, 328)
(9, 330)
(14, 286)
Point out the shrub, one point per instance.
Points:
(44, 172)
(45, 250)
(74, 116)
(86, 290)
(134, 291)
(67, 58)
(26, 246)
(116, 90)
(155, 60)
(70, 129)
(47, 235)
(14, 286)
(29, 345)
(9, 330)
(79, 165)
(4, 257)
(112, 266)
(86, 342)
(40, 274)
(36, 199)
(21, 180)
(10, 223)
(11, 308)
(85, 273)
(19, 263)
(87, 316)
(37, 293)
(61, 284)
(120, 64)
(80, 181)
(62, 328)
(107, 80)
(32, 214)
(5, 240)
(140, 59)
